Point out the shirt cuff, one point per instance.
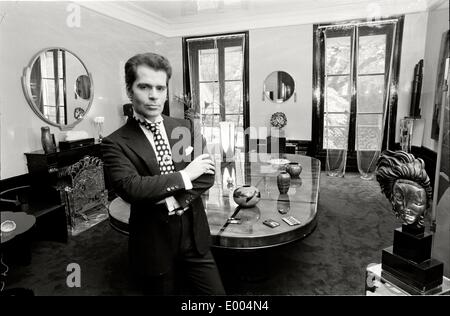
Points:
(187, 182)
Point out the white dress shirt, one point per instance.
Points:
(170, 201)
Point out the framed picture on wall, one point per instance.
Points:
(440, 81)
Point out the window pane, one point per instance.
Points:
(371, 54)
(332, 120)
(60, 64)
(233, 63)
(61, 92)
(238, 120)
(211, 120)
(368, 131)
(50, 111)
(338, 94)
(62, 115)
(335, 138)
(48, 91)
(209, 98)
(370, 93)
(208, 64)
(233, 97)
(48, 65)
(337, 55)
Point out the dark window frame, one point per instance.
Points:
(318, 95)
(245, 78)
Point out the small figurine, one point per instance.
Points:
(406, 184)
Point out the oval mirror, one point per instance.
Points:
(279, 86)
(58, 87)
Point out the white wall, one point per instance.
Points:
(438, 23)
(104, 45)
(290, 49)
(287, 49)
(413, 50)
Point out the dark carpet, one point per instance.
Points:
(354, 225)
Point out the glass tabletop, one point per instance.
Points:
(261, 171)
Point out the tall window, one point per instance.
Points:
(355, 67)
(216, 77)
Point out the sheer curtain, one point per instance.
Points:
(374, 73)
(337, 97)
(357, 70)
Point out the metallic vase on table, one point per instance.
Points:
(283, 182)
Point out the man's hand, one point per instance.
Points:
(200, 165)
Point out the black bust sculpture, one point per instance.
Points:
(408, 262)
(406, 184)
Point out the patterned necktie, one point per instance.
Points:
(162, 148)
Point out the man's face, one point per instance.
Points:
(149, 92)
(409, 200)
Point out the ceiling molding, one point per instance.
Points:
(136, 14)
(437, 4)
(122, 11)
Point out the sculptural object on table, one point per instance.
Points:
(406, 184)
(246, 196)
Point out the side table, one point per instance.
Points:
(12, 240)
(14, 226)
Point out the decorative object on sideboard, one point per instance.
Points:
(278, 120)
(98, 122)
(246, 196)
(294, 169)
(283, 182)
(47, 140)
(406, 184)
(41, 92)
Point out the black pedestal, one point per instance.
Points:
(416, 248)
(409, 260)
(423, 277)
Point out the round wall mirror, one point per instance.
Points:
(279, 86)
(58, 87)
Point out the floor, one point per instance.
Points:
(354, 225)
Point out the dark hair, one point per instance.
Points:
(400, 165)
(152, 60)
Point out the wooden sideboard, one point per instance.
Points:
(76, 175)
(43, 168)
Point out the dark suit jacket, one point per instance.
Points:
(133, 171)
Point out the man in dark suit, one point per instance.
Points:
(169, 237)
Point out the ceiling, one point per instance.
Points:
(195, 17)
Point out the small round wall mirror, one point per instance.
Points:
(58, 87)
(279, 86)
